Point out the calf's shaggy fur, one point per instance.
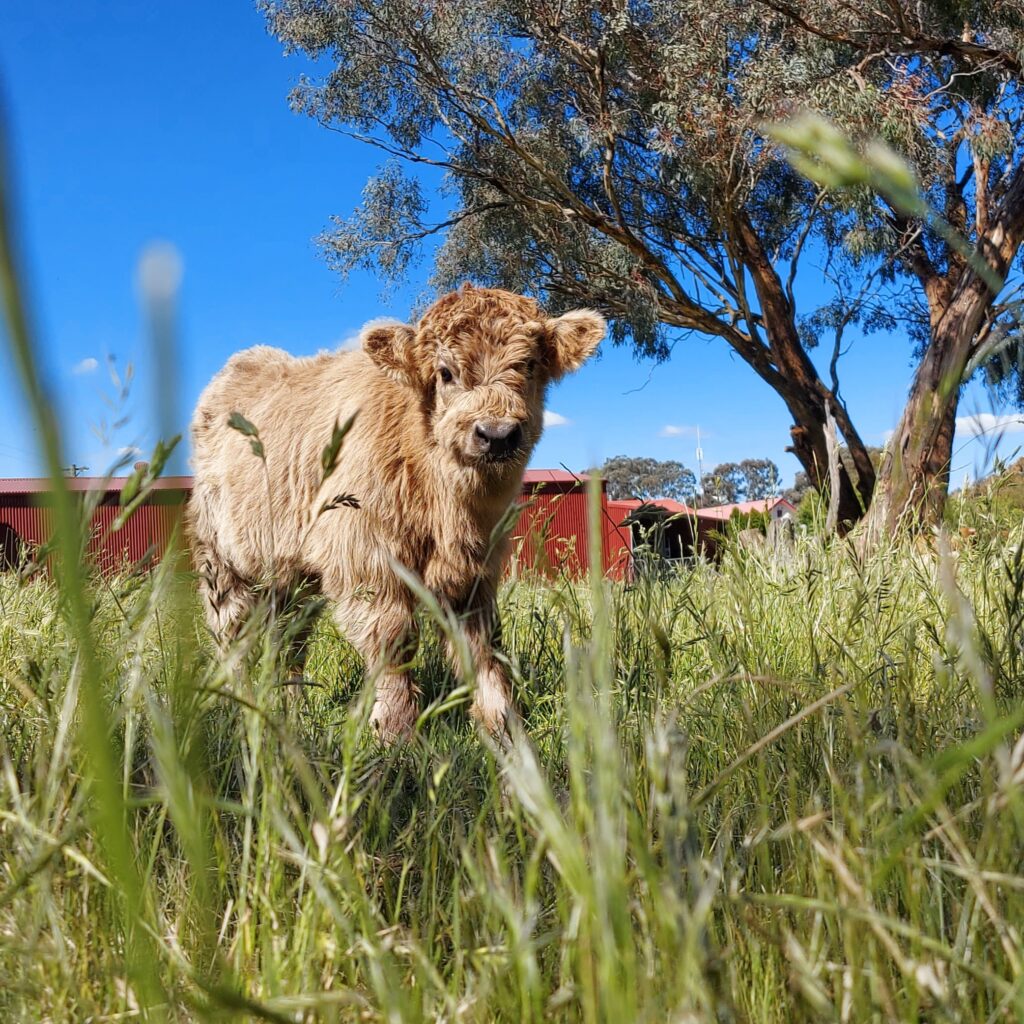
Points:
(448, 412)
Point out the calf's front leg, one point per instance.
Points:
(387, 641)
(492, 706)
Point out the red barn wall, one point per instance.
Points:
(550, 537)
(145, 536)
(618, 539)
(32, 525)
(551, 534)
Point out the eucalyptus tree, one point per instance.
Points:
(647, 478)
(614, 153)
(761, 479)
(723, 485)
(940, 82)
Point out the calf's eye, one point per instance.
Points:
(445, 374)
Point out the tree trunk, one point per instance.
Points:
(797, 381)
(809, 445)
(914, 475)
(937, 470)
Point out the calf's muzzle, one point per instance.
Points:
(499, 440)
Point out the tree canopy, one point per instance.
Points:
(647, 478)
(614, 153)
(749, 480)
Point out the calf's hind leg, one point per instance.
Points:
(228, 598)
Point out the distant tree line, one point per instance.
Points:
(647, 479)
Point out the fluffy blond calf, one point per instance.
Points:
(448, 413)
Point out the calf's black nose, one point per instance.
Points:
(499, 438)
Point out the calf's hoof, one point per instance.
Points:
(500, 723)
(394, 721)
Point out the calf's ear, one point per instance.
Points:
(570, 340)
(391, 346)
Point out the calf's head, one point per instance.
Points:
(480, 360)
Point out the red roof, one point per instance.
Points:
(724, 512)
(668, 504)
(553, 476)
(719, 513)
(41, 485)
(623, 507)
(675, 507)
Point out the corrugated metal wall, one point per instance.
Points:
(618, 540)
(32, 525)
(550, 536)
(143, 538)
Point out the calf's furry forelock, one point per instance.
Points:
(447, 414)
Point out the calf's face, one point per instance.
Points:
(480, 360)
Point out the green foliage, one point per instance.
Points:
(236, 421)
(752, 520)
(751, 479)
(812, 510)
(646, 478)
(329, 456)
(140, 484)
(629, 156)
(761, 479)
(724, 485)
(997, 501)
(801, 485)
(797, 494)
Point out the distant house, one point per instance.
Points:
(774, 508)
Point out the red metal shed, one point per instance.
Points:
(550, 537)
(26, 518)
(553, 531)
(619, 538)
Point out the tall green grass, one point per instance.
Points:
(785, 789)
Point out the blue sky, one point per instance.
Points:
(136, 123)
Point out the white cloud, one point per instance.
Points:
(671, 430)
(353, 340)
(989, 423)
(129, 450)
(88, 365)
(554, 419)
(349, 343)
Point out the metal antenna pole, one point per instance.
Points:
(700, 466)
